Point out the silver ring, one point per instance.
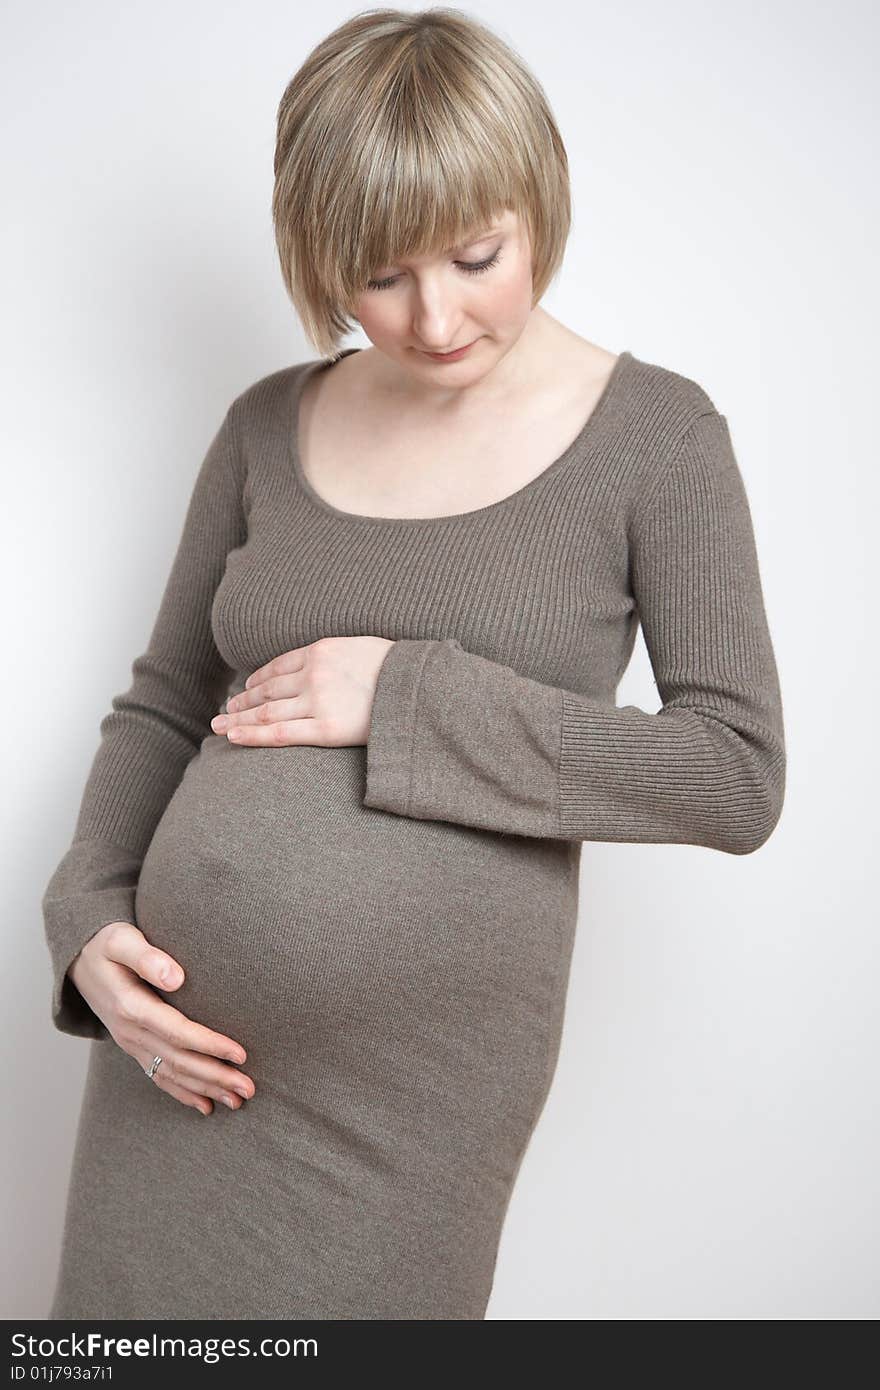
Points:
(155, 1066)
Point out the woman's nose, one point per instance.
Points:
(437, 331)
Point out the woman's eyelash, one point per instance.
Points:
(470, 267)
(477, 267)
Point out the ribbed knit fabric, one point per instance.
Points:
(388, 929)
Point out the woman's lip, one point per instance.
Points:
(448, 356)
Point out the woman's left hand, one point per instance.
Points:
(321, 694)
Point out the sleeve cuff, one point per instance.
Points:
(94, 885)
(392, 726)
(455, 736)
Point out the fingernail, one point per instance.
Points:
(227, 1100)
(168, 975)
(242, 1093)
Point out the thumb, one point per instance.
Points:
(127, 944)
(168, 973)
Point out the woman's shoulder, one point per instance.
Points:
(650, 409)
(650, 395)
(272, 386)
(661, 389)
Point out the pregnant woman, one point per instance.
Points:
(344, 798)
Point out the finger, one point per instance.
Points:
(152, 1014)
(283, 734)
(277, 687)
(200, 1103)
(196, 1070)
(292, 660)
(174, 1070)
(199, 1073)
(178, 1092)
(262, 712)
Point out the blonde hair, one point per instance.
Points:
(401, 135)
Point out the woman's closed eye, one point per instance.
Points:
(469, 267)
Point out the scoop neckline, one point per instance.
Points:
(590, 429)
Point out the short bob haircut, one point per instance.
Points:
(403, 134)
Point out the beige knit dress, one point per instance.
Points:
(388, 929)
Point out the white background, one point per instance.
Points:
(710, 1145)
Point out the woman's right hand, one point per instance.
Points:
(108, 972)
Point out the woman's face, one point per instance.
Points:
(427, 304)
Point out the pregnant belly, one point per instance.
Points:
(318, 931)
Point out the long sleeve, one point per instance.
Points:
(454, 736)
(149, 735)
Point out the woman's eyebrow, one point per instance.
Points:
(481, 236)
